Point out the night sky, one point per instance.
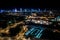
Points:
(49, 4)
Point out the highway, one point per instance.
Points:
(6, 30)
(35, 32)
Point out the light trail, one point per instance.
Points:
(29, 31)
(39, 34)
(33, 31)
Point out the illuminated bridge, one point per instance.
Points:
(35, 32)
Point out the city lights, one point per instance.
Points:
(29, 24)
(25, 10)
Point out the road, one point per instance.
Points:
(6, 30)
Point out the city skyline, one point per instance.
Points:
(25, 10)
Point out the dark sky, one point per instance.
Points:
(30, 4)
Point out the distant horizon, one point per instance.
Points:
(10, 8)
